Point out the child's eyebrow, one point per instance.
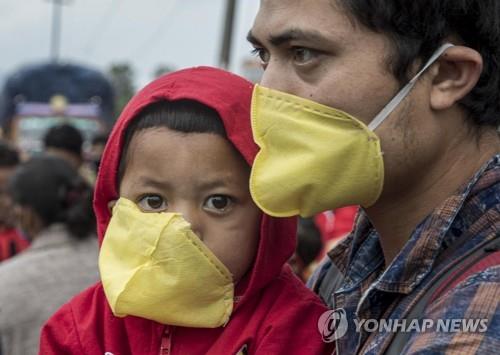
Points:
(212, 184)
(147, 181)
(150, 182)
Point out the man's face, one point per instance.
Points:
(312, 49)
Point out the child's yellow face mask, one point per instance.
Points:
(313, 157)
(153, 266)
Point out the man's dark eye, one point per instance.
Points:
(262, 54)
(303, 55)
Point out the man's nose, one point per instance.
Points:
(277, 77)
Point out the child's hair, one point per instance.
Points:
(56, 193)
(187, 116)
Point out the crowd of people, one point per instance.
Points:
(48, 237)
(349, 203)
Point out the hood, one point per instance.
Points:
(230, 96)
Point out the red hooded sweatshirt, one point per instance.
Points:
(274, 313)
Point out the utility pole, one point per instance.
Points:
(55, 36)
(227, 35)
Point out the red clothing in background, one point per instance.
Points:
(334, 226)
(11, 243)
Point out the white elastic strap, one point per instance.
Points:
(396, 100)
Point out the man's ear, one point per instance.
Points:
(456, 74)
(111, 204)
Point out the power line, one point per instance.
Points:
(102, 26)
(147, 44)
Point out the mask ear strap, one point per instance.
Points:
(396, 100)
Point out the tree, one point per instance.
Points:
(122, 78)
(162, 69)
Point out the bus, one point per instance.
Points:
(36, 97)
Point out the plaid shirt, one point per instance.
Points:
(371, 291)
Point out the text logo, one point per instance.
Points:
(332, 325)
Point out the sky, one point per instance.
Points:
(144, 33)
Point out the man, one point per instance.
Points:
(420, 158)
(11, 242)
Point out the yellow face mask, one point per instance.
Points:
(313, 157)
(153, 266)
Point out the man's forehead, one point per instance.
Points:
(283, 5)
(312, 20)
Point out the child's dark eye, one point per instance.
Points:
(218, 203)
(152, 203)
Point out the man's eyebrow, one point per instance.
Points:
(292, 34)
(252, 39)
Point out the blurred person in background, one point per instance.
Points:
(54, 209)
(66, 141)
(96, 149)
(11, 241)
(309, 246)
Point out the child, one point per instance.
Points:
(189, 265)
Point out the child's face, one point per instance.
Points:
(201, 176)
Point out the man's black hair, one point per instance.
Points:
(185, 116)
(65, 137)
(9, 157)
(417, 28)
